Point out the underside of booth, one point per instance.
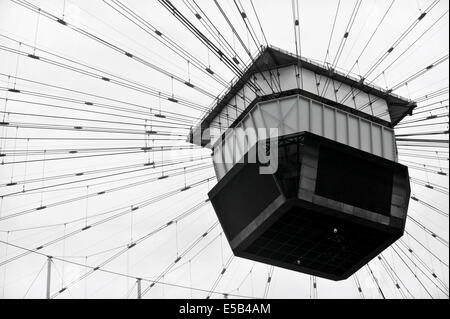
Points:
(326, 211)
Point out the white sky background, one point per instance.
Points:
(149, 258)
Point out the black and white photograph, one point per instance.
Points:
(221, 156)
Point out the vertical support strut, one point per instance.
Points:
(49, 273)
(139, 291)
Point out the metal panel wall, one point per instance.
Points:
(311, 82)
(295, 114)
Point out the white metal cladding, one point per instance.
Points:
(296, 114)
(317, 84)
